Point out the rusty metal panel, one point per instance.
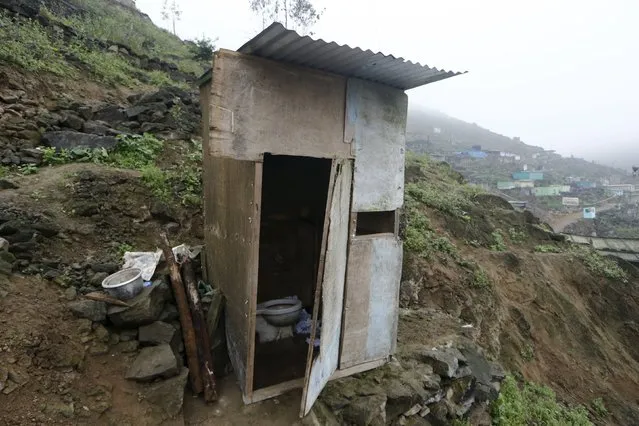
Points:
(371, 299)
(232, 192)
(376, 121)
(260, 106)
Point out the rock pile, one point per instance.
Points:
(170, 113)
(149, 333)
(423, 386)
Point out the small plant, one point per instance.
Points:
(135, 151)
(600, 265)
(517, 236)
(480, 279)
(528, 352)
(123, 248)
(498, 241)
(547, 248)
(599, 407)
(532, 404)
(202, 49)
(27, 169)
(3, 171)
(156, 180)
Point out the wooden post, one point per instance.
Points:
(201, 333)
(186, 321)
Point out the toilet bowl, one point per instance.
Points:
(280, 312)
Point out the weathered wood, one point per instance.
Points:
(332, 285)
(232, 194)
(101, 297)
(371, 299)
(259, 106)
(201, 333)
(186, 321)
(376, 121)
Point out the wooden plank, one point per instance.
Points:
(371, 299)
(359, 368)
(275, 390)
(259, 106)
(332, 287)
(231, 209)
(377, 113)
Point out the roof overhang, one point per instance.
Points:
(280, 44)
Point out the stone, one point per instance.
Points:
(99, 349)
(25, 247)
(101, 333)
(320, 415)
(70, 293)
(31, 135)
(145, 308)
(153, 362)
(59, 408)
(10, 227)
(445, 361)
(366, 411)
(97, 278)
(163, 212)
(157, 333)
(109, 268)
(6, 184)
(4, 376)
(70, 140)
(5, 268)
(17, 376)
(113, 49)
(128, 346)
(48, 229)
(84, 325)
(33, 152)
(400, 398)
(99, 128)
(4, 245)
(134, 112)
(168, 394)
(51, 274)
(7, 256)
(152, 127)
(72, 121)
(128, 335)
(9, 98)
(110, 114)
(9, 387)
(170, 313)
(89, 309)
(114, 339)
(85, 112)
(22, 236)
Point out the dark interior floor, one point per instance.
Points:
(279, 361)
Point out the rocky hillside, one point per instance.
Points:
(501, 322)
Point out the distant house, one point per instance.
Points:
(528, 175)
(515, 184)
(550, 191)
(474, 154)
(620, 188)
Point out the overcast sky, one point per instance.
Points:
(561, 74)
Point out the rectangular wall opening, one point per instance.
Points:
(369, 223)
(294, 196)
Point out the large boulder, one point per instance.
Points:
(89, 309)
(168, 394)
(154, 362)
(144, 309)
(366, 411)
(71, 140)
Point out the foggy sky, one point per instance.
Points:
(558, 73)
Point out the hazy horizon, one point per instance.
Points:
(556, 74)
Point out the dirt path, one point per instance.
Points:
(559, 223)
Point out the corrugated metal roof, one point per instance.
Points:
(278, 43)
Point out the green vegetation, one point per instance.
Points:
(528, 352)
(531, 404)
(123, 248)
(27, 44)
(547, 248)
(600, 265)
(517, 236)
(3, 171)
(498, 241)
(480, 278)
(156, 180)
(599, 407)
(27, 169)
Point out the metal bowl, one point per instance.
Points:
(280, 312)
(124, 284)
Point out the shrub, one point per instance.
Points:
(156, 180)
(135, 151)
(480, 278)
(599, 407)
(532, 404)
(202, 49)
(600, 265)
(498, 241)
(517, 236)
(547, 248)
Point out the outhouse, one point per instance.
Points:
(304, 145)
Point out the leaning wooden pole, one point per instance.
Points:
(186, 321)
(201, 332)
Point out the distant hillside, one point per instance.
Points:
(432, 132)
